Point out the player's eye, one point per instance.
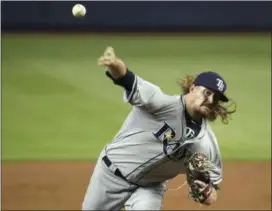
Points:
(207, 93)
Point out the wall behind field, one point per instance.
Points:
(140, 15)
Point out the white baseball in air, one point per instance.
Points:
(79, 10)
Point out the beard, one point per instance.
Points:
(207, 112)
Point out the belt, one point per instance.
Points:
(117, 172)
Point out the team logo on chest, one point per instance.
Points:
(166, 133)
(190, 133)
(171, 148)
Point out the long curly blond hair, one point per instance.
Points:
(222, 109)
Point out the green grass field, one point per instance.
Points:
(57, 104)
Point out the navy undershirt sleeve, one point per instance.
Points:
(125, 81)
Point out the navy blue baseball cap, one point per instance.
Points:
(213, 81)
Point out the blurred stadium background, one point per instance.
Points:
(58, 105)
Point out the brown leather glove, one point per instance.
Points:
(198, 169)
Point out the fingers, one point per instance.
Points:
(109, 51)
(108, 57)
(201, 184)
(105, 61)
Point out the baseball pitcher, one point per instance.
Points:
(162, 136)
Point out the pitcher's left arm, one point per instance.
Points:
(204, 173)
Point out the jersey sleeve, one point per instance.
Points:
(209, 146)
(216, 174)
(141, 93)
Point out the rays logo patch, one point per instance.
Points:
(166, 133)
(171, 148)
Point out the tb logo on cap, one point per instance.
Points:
(220, 84)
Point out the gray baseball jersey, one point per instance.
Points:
(153, 139)
(150, 146)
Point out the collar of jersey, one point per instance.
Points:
(203, 124)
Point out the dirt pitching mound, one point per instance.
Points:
(62, 185)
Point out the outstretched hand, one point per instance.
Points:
(108, 59)
(116, 67)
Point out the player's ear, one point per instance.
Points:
(192, 88)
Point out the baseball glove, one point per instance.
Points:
(198, 167)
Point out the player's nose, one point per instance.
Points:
(210, 99)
